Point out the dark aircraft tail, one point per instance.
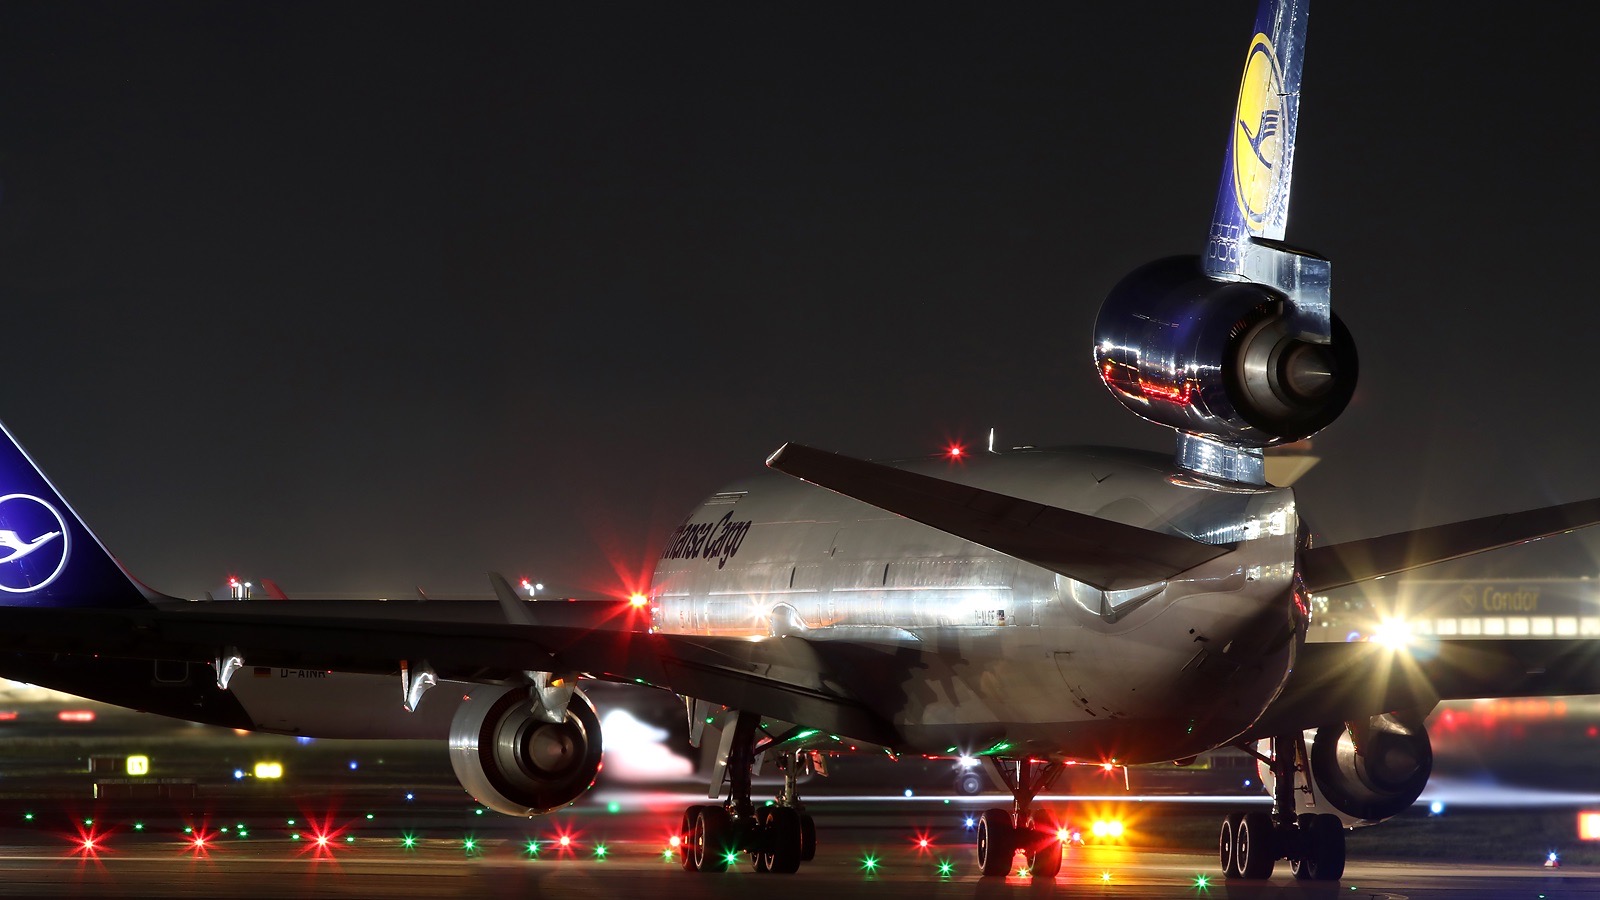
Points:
(48, 556)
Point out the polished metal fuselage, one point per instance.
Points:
(974, 649)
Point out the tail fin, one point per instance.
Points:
(1253, 196)
(48, 556)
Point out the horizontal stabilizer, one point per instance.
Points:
(1108, 555)
(1336, 565)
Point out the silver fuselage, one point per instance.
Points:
(1006, 652)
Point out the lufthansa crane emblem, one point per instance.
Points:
(33, 544)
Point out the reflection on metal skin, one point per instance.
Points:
(1219, 359)
(512, 761)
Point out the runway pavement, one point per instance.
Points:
(867, 848)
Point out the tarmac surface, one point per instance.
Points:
(618, 845)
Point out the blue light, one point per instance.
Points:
(302, 739)
(1436, 808)
(352, 765)
(971, 822)
(1352, 637)
(410, 796)
(238, 774)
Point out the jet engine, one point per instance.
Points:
(1369, 771)
(513, 761)
(1218, 358)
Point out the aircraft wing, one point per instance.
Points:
(785, 678)
(1337, 565)
(1342, 682)
(1108, 555)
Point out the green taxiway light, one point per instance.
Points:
(613, 807)
(188, 829)
(88, 821)
(469, 845)
(732, 856)
(27, 817)
(945, 867)
(666, 854)
(600, 850)
(1201, 882)
(408, 841)
(369, 817)
(869, 862)
(138, 826)
(533, 848)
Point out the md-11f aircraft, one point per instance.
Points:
(1028, 608)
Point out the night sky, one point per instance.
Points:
(365, 296)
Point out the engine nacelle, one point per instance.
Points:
(1217, 358)
(1366, 772)
(512, 761)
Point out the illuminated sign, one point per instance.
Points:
(139, 765)
(1589, 826)
(269, 770)
(33, 539)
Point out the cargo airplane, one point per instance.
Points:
(1028, 608)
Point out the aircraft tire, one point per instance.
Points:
(781, 842)
(996, 842)
(1324, 848)
(686, 839)
(1227, 845)
(808, 838)
(710, 841)
(1255, 851)
(1044, 863)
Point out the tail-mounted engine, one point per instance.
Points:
(1219, 358)
(514, 762)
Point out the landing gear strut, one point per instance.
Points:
(1250, 844)
(1001, 832)
(778, 837)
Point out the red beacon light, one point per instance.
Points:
(955, 451)
(638, 600)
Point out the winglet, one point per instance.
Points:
(515, 608)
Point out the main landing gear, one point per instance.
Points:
(1001, 832)
(1251, 843)
(778, 837)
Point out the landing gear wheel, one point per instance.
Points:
(1321, 849)
(780, 841)
(686, 839)
(808, 838)
(996, 842)
(1044, 862)
(1254, 850)
(1227, 845)
(710, 839)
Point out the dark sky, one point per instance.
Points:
(362, 296)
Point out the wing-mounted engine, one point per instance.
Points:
(1219, 359)
(513, 761)
(1364, 772)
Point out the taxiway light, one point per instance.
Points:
(870, 863)
(971, 822)
(675, 841)
(531, 848)
(138, 826)
(945, 867)
(1105, 877)
(566, 840)
(1201, 882)
(469, 844)
(408, 841)
(600, 851)
(732, 856)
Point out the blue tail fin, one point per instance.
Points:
(1253, 196)
(48, 557)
